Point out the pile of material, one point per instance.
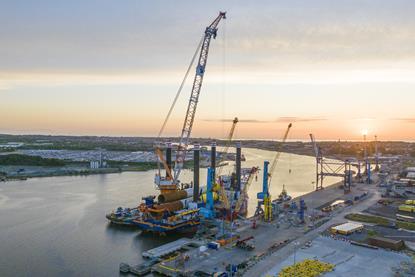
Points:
(306, 268)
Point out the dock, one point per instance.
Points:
(267, 239)
(170, 248)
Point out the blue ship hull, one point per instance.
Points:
(160, 227)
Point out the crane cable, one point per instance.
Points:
(180, 88)
(223, 90)
(175, 99)
(289, 158)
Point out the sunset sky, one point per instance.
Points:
(334, 68)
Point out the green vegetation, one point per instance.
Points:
(6, 150)
(133, 166)
(79, 142)
(85, 145)
(368, 219)
(141, 166)
(17, 159)
(406, 225)
(380, 221)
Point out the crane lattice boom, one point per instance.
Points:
(228, 143)
(244, 193)
(210, 32)
(277, 155)
(225, 151)
(315, 147)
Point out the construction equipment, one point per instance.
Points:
(303, 207)
(367, 162)
(208, 210)
(167, 184)
(246, 243)
(244, 193)
(278, 154)
(166, 166)
(227, 144)
(328, 167)
(265, 195)
(210, 32)
(376, 154)
(223, 195)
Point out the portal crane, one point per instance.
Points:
(228, 143)
(172, 180)
(265, 194)
(317, 151)
(223, 195)
(244, 193)
(210, 32)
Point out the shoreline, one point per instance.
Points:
(74, 173)
(60, 171)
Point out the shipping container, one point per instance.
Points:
(387, 243)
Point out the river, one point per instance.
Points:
(56, 226)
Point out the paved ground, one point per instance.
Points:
(396, 234)
(388, 211)
(350, 260)
(267, 234)
(278, 257)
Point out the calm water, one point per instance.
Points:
(56, 226)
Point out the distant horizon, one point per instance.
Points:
(369, 139)
(335, 69)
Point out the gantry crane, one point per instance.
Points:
(166, 184)
(265, 195)
(317, 153)
(333, 168)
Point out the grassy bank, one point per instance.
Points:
(368, 219)
(25, 160)
(380, 221)
(406, 225)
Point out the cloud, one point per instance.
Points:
(364, 118)
(289, 119)
(67, 78)
(287, 36)
(4, 86)
(407, 119)
(239, 120)
(283, 119)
